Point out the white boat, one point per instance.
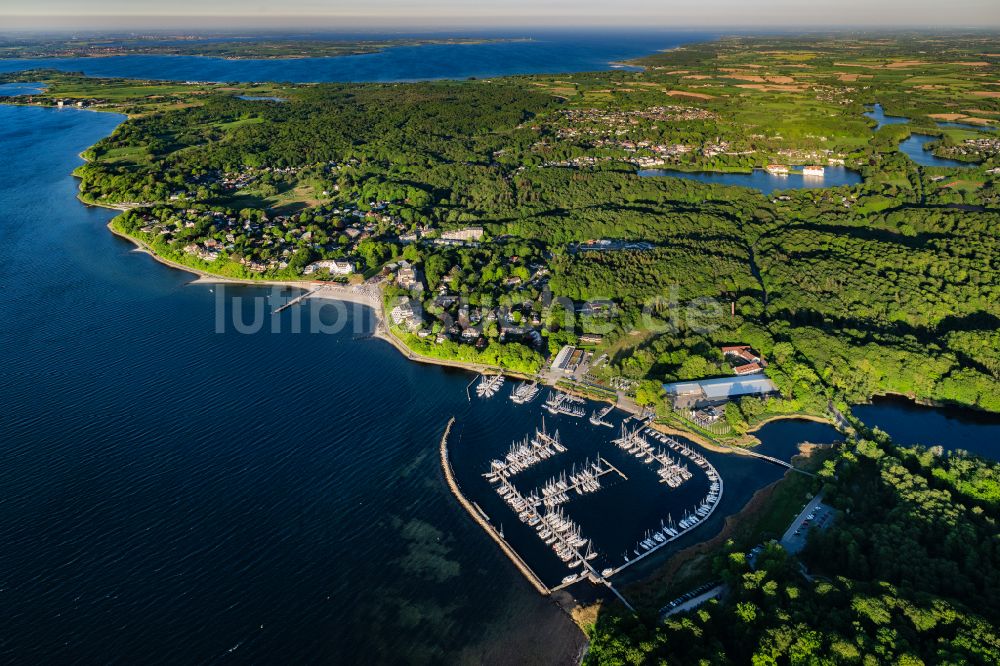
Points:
(489, 385)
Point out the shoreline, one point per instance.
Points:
(360, 49)
(325, 290)
(349, 294)
(383, 332)
(787, 417)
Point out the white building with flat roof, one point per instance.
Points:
(704, 392)
(562, 358)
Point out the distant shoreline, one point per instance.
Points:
(350, 48)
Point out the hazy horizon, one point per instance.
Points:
(391, 15)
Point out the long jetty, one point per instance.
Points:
(477, 516)
(298, 299)
(770, 459)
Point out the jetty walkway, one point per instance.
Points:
(770, 459)
(295, 301)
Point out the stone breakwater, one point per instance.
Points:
(477, 516)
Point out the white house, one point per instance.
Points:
(334, 266)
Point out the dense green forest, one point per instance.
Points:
(886, 286)
(908, 573)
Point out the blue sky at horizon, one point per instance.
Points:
(425, 14)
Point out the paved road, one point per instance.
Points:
(794, 539)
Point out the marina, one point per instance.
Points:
(565, 404)
(575, 503)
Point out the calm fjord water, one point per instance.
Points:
(173, 494)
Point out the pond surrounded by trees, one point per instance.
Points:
(953, 428)
(759, 179)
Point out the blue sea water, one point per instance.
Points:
(17, 89)
(176, 494)
(541, 52)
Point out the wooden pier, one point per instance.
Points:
(295, 301)
(477, 516)
(770, 459)
(468, 395)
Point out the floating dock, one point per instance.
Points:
(525, 393)
(564, 403)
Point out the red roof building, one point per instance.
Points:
(751, 361)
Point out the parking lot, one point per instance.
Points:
(692, 599)
(814, 515)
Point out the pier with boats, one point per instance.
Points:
(587, 479)
(544, 509)
(669, 531)
(489, 385)
(671, 472)
(525, 453)
(546, 497)
(566, 404)
(598, 417)
(525, 392)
